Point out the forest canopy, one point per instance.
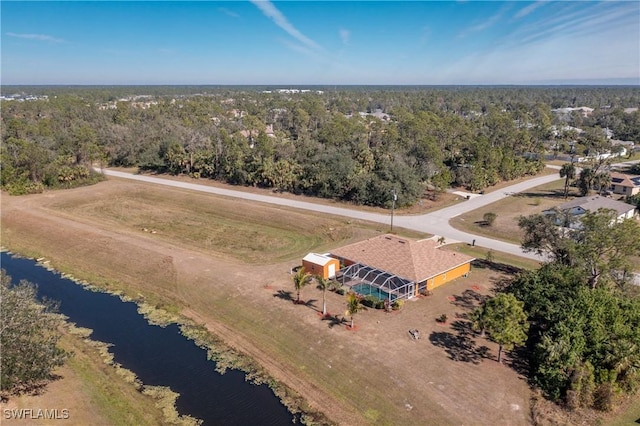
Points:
(356, 144)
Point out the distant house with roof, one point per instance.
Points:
(624, 184)
(568, 214)
(398, 268)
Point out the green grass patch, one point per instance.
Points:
(628, 416)
(498, 258)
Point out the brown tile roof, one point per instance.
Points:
(414, 260)
(623, 180)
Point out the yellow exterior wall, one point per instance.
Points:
(445, 277)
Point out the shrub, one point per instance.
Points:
(334, 285)
(397, 304)
(369, 301)
(24, 187)
(489, 256)
(489, 218)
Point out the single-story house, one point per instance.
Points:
(399, 267)
(573, 210)
(321, 264)
(625, 184)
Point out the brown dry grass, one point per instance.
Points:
(430, 200)
(375, 375)
(509, 209)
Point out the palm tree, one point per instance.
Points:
(603, 180)
(323, 284)
(624, 357)
(587, 175)
(568, 171)
(301, 279)
(353, 305)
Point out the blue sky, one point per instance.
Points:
(330, 42)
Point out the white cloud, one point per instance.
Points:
(345, 35)
(565, 57)
(300, 49)
(528, 9)
(491, 21)
(271, 12)
(228, 12)
(579, 22)
(571, 41)
(38, 37)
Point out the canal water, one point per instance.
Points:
(158, 356)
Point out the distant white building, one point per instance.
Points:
(583, 110)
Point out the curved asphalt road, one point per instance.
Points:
(436, 223)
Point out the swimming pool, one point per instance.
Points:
(369, 290)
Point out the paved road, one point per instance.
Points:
(436, 223)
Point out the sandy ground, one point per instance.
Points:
(448, 376)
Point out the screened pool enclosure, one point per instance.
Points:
(368, 281)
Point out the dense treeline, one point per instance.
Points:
(583, 343)
(356, 144)
(47, 144)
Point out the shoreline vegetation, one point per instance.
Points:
(218, 351)
(165, 398)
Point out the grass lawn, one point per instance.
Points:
(500, 259)
(227, 227)
(629, 416)
(509, 209)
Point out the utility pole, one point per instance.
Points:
(394, 197)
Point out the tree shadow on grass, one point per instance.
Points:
(333, 320)
(460, 347)
(469, 299)
(517, 359)
(288, 296)
(482, 223)
(284, 295)
(311, 303)
(463, 328)
(495, 266)
(550, 193)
